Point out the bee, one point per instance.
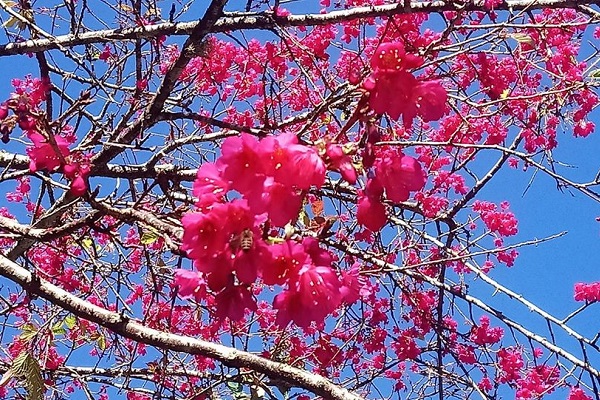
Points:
(242, 241)
(246, 239)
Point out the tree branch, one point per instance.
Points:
(267, 21)
(151, 114)
(136, 331)
(360, 254)
(20, 162)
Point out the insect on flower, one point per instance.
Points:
(242, 241)
(246, 239)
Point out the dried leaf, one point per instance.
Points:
(9, 23)
(25, 367)
(317, 207)
(522, 38)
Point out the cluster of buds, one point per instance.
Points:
(22, 116)
(24, 103)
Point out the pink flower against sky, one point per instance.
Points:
(394, 90)
(45, 156)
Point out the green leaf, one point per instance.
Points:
(87, 243)
(522, 38)
(595, 74)
(101, 341)
(71, 321)
(235, 387)
(237, 390)
(303, 218)
(58, 329)
(149, 237)
(29, 332)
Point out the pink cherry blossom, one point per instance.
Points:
(390, 92)
(241, 163)
(353, 285)
(290, 308)
(106, 54)
(371, 213)
(251, 257)
(510, 361)
(43, 155)
(405, 347)
(313, 293)
(3, 111)
(340, 160)
(292, 164)
(588, 292)
(399, 175)
(428, 100)
(209, 186)
(77, 173)
(286, 260)
(233, 301)
(395, 91)
(577, 393)
(281, 202)
(483, 334)
(190, 283)
(317, 254)
(392, 57)
(309, 168)
(203, 234)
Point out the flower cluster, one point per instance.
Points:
(49, 152)
(405, 347)
(395, 91)
(396, 174)
(510, 362)
(588, 292)
(483, 334)
(501, 221)
(577, 393)
(538, 381)
(53, 154)
(225, 239)
(24, 103)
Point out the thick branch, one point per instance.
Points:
(269, 22)
(19, 162)
(140, 333)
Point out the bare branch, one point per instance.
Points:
(136, 331)
(268, 21)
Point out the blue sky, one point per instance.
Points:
(544, 274)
